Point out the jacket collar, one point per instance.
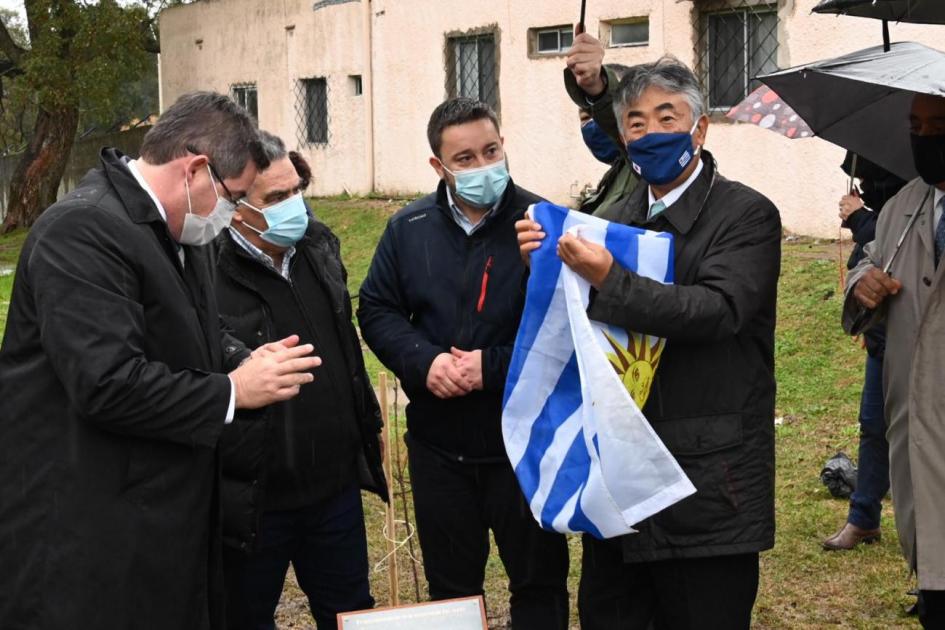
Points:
(507, 201)
(136, 200)
(682, 215)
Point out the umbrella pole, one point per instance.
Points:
(885, 35)
(580, 26)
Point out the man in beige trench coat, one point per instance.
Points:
(911, 299)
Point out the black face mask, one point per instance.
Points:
(929, 155)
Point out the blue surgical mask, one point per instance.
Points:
(660, 158)
(482, 187)
(600, 144)
(287, 221)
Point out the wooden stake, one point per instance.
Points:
(394, 578)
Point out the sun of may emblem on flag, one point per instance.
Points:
(636, 363)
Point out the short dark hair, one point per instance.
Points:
(213, 125)
(302, 168)
(456, 111)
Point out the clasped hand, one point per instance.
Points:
(455, 373)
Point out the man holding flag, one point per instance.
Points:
(711, 401)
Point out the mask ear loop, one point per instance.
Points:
(190, 208)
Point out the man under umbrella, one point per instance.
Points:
(911, 301)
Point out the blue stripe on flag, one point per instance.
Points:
(581, 523)
(571, 477)
(624, 246)
(541, 289)
(564, 400)
(671, 260)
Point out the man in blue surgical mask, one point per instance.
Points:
(695, 564)
(440, 308)
(293, 478)
(620, 179)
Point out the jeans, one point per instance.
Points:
(327, 547)
(872, 480)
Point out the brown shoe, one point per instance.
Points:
(851, 536)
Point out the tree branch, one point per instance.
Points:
(9, 47)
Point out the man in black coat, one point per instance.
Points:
(291, 483)
(695, 564)
(114, 387)
(440, 307)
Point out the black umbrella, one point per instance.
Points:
(861, 101)
(916, 11)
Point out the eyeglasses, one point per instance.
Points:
(216, 175)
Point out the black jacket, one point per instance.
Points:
(113, 403)
(712, 399)
(245, 444)
(430, 287)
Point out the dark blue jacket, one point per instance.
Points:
(430, 286)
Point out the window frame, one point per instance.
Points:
(239, 91)
(746, 13)
(611, 24)
(559, 31)
(453, 79)
(305, 116)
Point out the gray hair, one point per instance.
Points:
(456, 111)
(667, 73)
(210, 124)
(272, 146)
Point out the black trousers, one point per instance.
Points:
(326, 545)
(932, 609)
(714, 593)
(456, 505)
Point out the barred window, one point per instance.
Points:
(471, 68)
(245, 96)
(311, 107)
(736, 42)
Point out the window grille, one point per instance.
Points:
(471, 68)
(736, 40)
(311, 109)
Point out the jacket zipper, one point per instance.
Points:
(485, 285)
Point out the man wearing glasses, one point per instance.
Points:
(117, 382)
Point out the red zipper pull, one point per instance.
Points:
(485, 285)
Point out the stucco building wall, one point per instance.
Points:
(216, 43)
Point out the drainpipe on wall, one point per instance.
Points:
(367, 86)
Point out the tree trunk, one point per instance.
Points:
(35, 183)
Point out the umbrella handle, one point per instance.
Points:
(863, 313)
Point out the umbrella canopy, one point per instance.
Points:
(917, 11)
(861, 101)
(764, 108)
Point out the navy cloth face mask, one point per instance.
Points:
(660, 158)
(600, 144)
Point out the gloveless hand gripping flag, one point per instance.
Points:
(586, 458)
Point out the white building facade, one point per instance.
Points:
(351, 83)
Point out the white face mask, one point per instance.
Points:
(200, 230)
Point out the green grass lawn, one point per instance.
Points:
(819, 374)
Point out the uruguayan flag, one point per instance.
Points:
(586, 458)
